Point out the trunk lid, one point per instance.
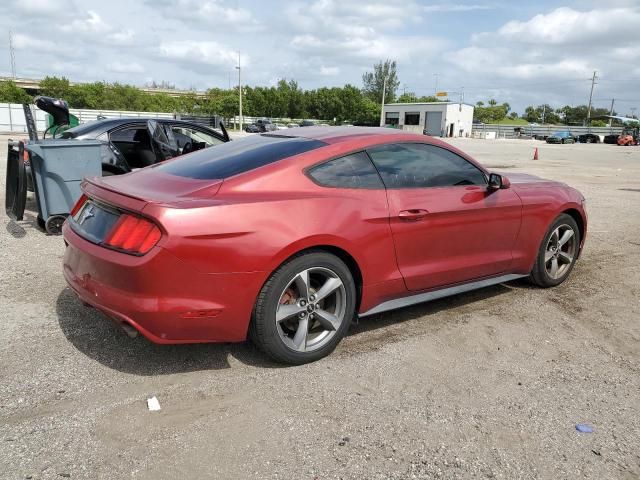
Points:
(151, 186)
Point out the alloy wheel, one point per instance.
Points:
(311, 309)
(560, 251)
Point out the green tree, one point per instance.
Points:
(373, 82)
(228, 105)
(11, 93)
(55, 87)
(491, 113)
(368, 113)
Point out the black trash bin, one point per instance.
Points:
(58, 167)
(16, 184)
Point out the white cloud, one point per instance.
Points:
(453, 7)
(27, 42)
(122, 37)
(91, 23)
(208, 14)
(565, 26)
(42, 7)
(552, 55)
(199, 55)
(125, 67)
(329, 71)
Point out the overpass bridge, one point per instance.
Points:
(32, 86)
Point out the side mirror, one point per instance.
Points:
(497, 181)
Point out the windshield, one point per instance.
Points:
(238, 156)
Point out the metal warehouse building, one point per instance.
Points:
(440, 119)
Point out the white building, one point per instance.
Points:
(439, 119)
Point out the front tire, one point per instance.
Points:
(558, 253)
(304, 309)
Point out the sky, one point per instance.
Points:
(520, 52)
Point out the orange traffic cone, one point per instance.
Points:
(535, 154)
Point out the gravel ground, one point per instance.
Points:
(488, 384)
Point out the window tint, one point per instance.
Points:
(418, 166)
(238, 156)
(193, 139)
(352, 171)
(125, 134)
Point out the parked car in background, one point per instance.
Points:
(628, 137)
(307, 123)
(562, 136)
(611, 139)
(211, 247)
(261, 125)
(131, 143)
(589, 138)
(280, 126)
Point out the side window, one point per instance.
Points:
(414, 165)
(124, 135)
(352, 171)
(193, 139)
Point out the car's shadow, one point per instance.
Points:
(100, 339)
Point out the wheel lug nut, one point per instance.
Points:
(303, 314)
(312, 298)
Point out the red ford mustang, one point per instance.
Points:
(284, 237)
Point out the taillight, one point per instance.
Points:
(76, 208)
(133, 234)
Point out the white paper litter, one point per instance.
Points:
(153, 404)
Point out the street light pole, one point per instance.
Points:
(384, 90)
(611, 112)
(239, 68)
(593, 82)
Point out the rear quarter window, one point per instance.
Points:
(350, 171)
(238, 156)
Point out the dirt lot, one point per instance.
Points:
(489, 384)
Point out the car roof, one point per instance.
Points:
(96, 127)
(333, 135)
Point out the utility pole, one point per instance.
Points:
(461, 98)
(544, 110)
(435, 89)
(633, 112)
(239, 68)
(384, 90)
(611, 112)
(12, 55)
(593, 82)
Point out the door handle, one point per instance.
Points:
(414, 214)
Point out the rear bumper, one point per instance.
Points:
(159, 295)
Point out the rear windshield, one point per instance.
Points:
(238, 156)
(80, 129)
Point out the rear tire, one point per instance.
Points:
(557, 254)
(305, 308)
